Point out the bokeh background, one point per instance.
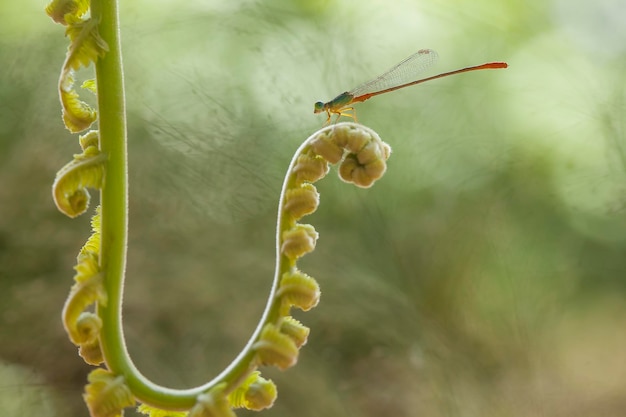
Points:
(484, 275)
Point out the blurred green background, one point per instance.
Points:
(484, 275)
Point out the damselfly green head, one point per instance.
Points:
(318, 108)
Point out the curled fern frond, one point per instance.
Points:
(298, 241)
(61, 10)
(299, 290)
(365, 166)
(69, 189)
(82, 295)
(298, 332)
(363, 155)
(309, 167)
(83, 328)
(255, 393)
(86, 47)
(77, 115)
(301, 201)
(276, 348)
(106, 394)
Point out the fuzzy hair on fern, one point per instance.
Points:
(92, 313)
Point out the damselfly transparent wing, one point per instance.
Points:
(404, 72)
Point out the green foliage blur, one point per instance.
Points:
(484, 275)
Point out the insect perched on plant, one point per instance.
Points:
(400, 76)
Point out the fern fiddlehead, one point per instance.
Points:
(92, 313)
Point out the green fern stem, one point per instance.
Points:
(276, 338)
(114, 206)
(101, 263)
(114, 192)
(114, 203)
